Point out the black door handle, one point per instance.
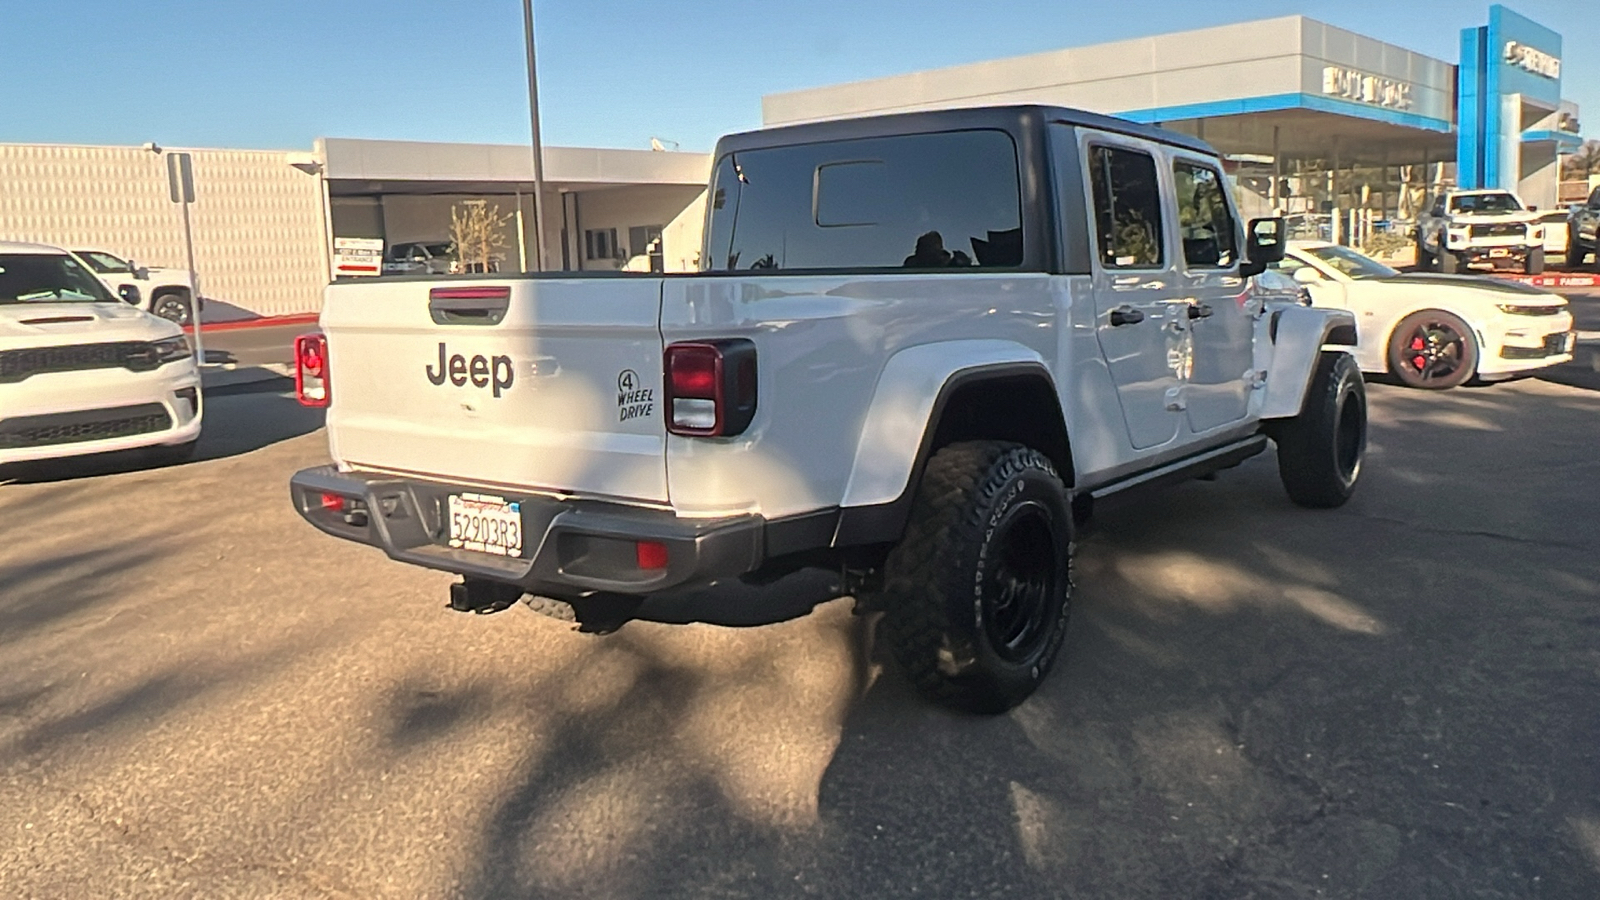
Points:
(1199, 310)
(1126, 315)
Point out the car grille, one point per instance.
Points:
(1554, 345)
(137, 356)
(1499, 229)
(88, 425)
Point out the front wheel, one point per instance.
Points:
(1321, 450)
(1424, 258)
(1533, 264)
(1433, 350)
(978, 592)
(1449, 263)
(173, 307)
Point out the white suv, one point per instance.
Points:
(81, 371)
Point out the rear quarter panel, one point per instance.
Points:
(823, 342)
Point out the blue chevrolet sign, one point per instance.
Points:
(1511, 56)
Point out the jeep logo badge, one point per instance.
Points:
(490, 372)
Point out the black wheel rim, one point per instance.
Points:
(1017, 589)
(1433, 351)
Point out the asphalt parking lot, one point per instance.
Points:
(203, 697)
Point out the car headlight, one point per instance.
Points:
(171, 350)
(1512, 309)
(1304, 295)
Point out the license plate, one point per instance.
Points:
(485, 524)
(1499, 251)
(1571, 342)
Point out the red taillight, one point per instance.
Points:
(710, 387)
(311, 369)
(333, 502)
(651, 554)
(693, 370)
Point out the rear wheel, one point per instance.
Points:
(1321, 450)
(978, 592)
(1573, 257)
(1432, 349)
(1533, 263)
(173, 307)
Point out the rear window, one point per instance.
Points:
(47, 278)
(927, 201)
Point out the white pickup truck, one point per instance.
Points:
(1465, 228)
(921, 347)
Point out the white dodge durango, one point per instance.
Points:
(83, 372)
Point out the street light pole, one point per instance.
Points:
(538, 150)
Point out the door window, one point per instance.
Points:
(1127, 208)
(1204, 219)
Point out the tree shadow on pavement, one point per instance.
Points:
(1255, 700)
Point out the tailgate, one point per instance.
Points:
(549, 384)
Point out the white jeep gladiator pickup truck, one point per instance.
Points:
(1463, 228)
(920, 347)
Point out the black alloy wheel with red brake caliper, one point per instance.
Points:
(1433, 350)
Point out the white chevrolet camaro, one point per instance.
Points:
(1434, 331)
(83, 372)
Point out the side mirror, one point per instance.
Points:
(1264, 245)
(128, 293)
(1306, 275)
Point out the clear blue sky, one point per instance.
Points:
(275, 74)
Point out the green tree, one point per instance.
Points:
(1584, 163)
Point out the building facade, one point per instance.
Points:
(1314, 121)
(1317, 117)
(265, 221)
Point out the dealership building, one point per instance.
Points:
(1313, 120)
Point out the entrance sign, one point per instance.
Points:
(1530, 60)
(1352, 84)
(357, 256)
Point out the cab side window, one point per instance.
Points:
(1204, 219)
(1127, 208)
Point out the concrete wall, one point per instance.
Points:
(626, 207)
(258, 221)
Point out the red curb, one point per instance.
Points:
(262, 322)
(1566, 281)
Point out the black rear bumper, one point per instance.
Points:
(570, 547)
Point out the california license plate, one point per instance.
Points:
(485, 524)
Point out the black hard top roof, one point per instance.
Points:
(1011, 118)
